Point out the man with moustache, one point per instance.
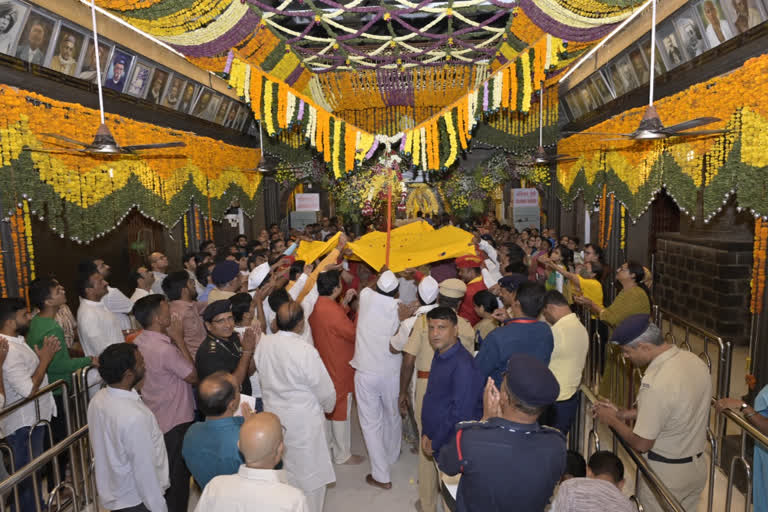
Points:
(131, 463)
(33, 50)
(117, 80)
(65, 61)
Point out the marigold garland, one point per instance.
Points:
(757, 284)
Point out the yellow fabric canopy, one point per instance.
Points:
(310, 251)
(412, 245)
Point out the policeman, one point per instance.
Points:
(672, 412)
(507, 460)
(222, 349)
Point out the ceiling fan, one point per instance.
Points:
(540, 156)
(103, 143)
(651, 126)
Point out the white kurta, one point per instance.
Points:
(400, 339)
(252, 490)
(377, 380)
(297, 388)
(98, 327)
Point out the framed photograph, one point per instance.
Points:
(242, 117)
(639, 65)
(119, 67)
(601, 89)
(213, 107)
(691, 34)
(173, 94)
(12, 17)
(88, 65)
(139, 82)
(221, 112)
(716, 29)
(35, 38)
(205, 106)
(159, 81)
(669, 45)
(645, 46)
(66, 51)
(188, 97)
(622, 76)
(234, 110)
(744, 14)
(574, 104)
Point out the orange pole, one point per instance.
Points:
(389, 218)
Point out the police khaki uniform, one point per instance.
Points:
(419, 347)
(673, 411)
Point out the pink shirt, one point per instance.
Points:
(194, 327)
(165, 392)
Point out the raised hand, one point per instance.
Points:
(349, 296)
(176, 329)
(491, 400)
(50, 346)
(250, 339)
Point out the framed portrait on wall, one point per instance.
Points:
(717, 29)
(600, 88)
(66, 51)
(574, 104)
(622, 76)
(12, 17)
(35, 38)
(691, 34)
(242, 117)
(139, 82)
(205, 106)
(744, 14)
(669, 45)
(639, 65)
(221, 112)
(174, 92)
(188, 97)
(645, 46)
(88, 65)
(157, 87)
(119, 67)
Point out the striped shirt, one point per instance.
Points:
(590, 495)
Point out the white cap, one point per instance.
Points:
(428, 289)
(387, 282)
(257, 275)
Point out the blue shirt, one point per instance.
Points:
(518, 336)
(210, 448)
(454, 394)
(203, 297)
(760, 465)
(504, 465)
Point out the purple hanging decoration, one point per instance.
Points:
(230, 58)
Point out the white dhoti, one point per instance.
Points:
(316, 499)
(379, 420)
(339, 436)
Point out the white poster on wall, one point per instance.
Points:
(525, 208)
(307, 202)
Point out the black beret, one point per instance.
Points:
(512, 282)
(531, 381)
(216, 308)
(630, 329)
(224, 272)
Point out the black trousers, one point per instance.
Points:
(138, 508)
(177, 495)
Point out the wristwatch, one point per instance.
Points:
(743, 406)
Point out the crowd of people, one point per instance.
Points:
(239, 368)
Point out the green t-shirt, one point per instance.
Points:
(62, 366)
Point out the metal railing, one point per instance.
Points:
(664, 496)
(35, 398)
(747, 431)
(82, 485)
(624, 382)
(12, 482)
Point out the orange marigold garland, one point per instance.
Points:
(758, 266)
(3, 286)
(610, 220)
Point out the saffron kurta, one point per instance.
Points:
(334, 335)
